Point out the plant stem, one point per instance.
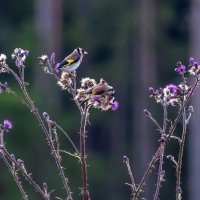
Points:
(160, 170)
(85, 192)
(180, 158)
(171, 131)
(160, 175)
(27, 176)
(153, 160)
(16, 178)
(133, 185)
(156, 123)
(67, 136)
(50, 142)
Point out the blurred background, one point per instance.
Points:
(132, 45)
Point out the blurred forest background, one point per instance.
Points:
(132, 45)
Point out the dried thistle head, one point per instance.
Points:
(65, 80)
(88, 82)
(3, 58)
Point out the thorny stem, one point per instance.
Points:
(156, 123)
(73, 92)
(54, 152)
(61, 129)
(85, 192)
(19, 98)
(164, 118)
(180, 158)
(160, 170)
(133, 185)
(27, 176)
(153, 160)
(176, 138)
(171, 131)
(50, 142)
(160, 174)
(16, 178)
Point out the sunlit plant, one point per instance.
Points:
(90, 95)
(178, 97)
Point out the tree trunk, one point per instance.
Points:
(143, 77)
(48, 22)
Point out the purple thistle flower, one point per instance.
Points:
(43, 59)
(115, 105)
(173, 88)
(196, 64)
(25, 52)
(181, 69)
(191, 61)
(45, 186)
(20, 162)
(151, 90)
(3, 87)
(7, 124)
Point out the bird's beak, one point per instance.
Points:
(85, 52)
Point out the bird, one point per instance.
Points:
(100, 90)
(72, 61)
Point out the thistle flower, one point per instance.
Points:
(194, 67)
(172, 94)
(115, 106)
(66, 80)
(45, 186)
(7, 124)
(191, 61)
(43, 59)
(151, 90)
(2, 62)
(170, 88)
(88, 82)
(3, 87)
(19, 55)
(181, 69)
(3, 58)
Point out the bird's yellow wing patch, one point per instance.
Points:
(69, 62)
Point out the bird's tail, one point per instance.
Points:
(60, 65)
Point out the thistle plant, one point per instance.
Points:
(85, 97)
(92, 94)
(178, 97)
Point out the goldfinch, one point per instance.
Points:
(72, 61)
(100, 90)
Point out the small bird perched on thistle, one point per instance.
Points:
(72, 61)
(98, 91)
(101, 90)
